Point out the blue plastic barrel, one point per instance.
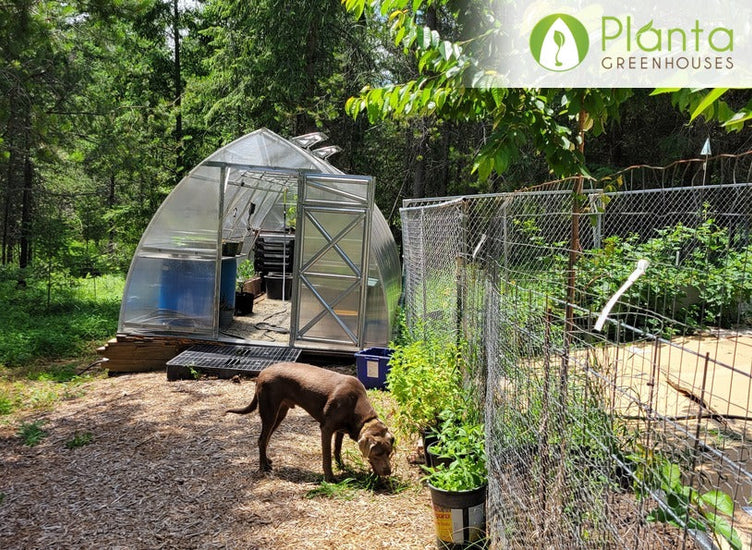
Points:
(186, 290)
(227, 286)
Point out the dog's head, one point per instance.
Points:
(376, 444)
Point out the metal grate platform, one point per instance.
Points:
(236, 358)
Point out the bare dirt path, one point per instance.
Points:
(165, 469)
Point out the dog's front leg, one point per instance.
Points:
(338, 448)
(326, 451)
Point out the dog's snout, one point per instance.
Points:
(382, 469)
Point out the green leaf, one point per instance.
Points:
(445, 49)
(424, 38)
(645, 27)
(659, 91)
(737, 121)
(719, 501)
(400, 35)
(722, 527)
(356, 7)
(671, 478)
(707, 101)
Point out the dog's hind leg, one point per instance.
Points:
(269, 424)
(281, 414)
(268, 413)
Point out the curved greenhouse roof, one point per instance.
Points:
(339, 254)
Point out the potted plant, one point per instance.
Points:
(455, 437)
(458, 484)
(250, 281)
(424, 380)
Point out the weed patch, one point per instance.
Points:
(79, 440)
(32, 433)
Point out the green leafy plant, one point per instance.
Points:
(698, 275)
(195, 373)
(246, 270)
(424, 378)
(6, 404)
(683, 505)
(463, 442)
(464, 473)
(31, 432)
(79, 440)
(456, 437)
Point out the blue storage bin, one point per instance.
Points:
(372, 365)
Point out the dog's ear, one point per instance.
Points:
(365, 444)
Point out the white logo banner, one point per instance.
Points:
(650, 44)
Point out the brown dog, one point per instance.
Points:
(337, 401)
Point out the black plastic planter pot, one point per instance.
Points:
(459, 517)
(432, 459)
(429, 437)
(278, 287)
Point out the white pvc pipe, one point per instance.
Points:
(642, 265)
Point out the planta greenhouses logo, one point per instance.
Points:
(559, 42)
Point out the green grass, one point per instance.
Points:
(31, 432)
(79, 440)
(78, 313)
(6, 404)
(356, 483)
(45, 339)
(341, 490)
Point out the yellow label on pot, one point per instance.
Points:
(449, 524)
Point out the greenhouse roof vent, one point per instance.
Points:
(306, 141)
(326, 152)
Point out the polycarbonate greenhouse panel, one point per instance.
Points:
(173, 276)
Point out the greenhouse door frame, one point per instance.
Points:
(349, 199)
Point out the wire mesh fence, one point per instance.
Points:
(616, 413)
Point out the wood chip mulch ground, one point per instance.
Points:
(165, 469)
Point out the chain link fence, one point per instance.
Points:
(615, 373)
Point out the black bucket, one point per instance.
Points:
(429, 437)
(243, 303)
(432, 459)
(459, 517)
(278, 287)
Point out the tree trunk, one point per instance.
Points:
(27, 197)
(10, 182)
(8, 196)
(178, 84)
(110, 206)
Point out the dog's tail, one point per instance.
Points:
(245, 410)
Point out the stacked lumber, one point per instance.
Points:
(127, 353)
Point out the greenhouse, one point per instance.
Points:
(269, 220)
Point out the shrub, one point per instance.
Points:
(424, 378)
